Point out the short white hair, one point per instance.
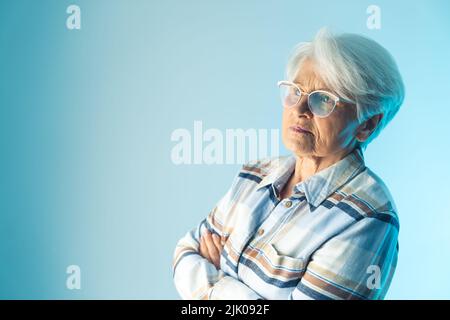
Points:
(355, 68)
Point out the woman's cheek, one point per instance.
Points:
(327, 138)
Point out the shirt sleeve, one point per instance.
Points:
(194, 276)
(358, 263)
(229, 288)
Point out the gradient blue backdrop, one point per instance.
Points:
(86, 117)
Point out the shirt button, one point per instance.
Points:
(260, 232)
(288, 204)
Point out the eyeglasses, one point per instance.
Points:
(321, 103)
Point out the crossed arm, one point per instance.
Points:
(196, 267)
(345, 259)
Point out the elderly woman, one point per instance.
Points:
(317, 224)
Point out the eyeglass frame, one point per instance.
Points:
(336, 98)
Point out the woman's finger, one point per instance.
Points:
(203, 249)
(216, 240)
(212, 250)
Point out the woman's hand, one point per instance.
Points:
(211, 247)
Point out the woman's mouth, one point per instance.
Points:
(300, 130)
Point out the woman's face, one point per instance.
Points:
(328, 136)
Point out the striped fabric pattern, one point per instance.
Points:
(336, 237)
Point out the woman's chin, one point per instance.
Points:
(300, 148)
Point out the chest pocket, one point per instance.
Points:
(283, 266)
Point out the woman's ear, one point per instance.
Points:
(366, 128)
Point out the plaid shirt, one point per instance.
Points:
(336, 237)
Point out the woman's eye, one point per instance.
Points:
(294, 91)
(325, 99)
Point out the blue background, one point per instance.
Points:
(86, 118)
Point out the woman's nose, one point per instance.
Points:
(302, 108)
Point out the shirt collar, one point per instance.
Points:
(322, 184)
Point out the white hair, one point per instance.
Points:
(355, 68)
